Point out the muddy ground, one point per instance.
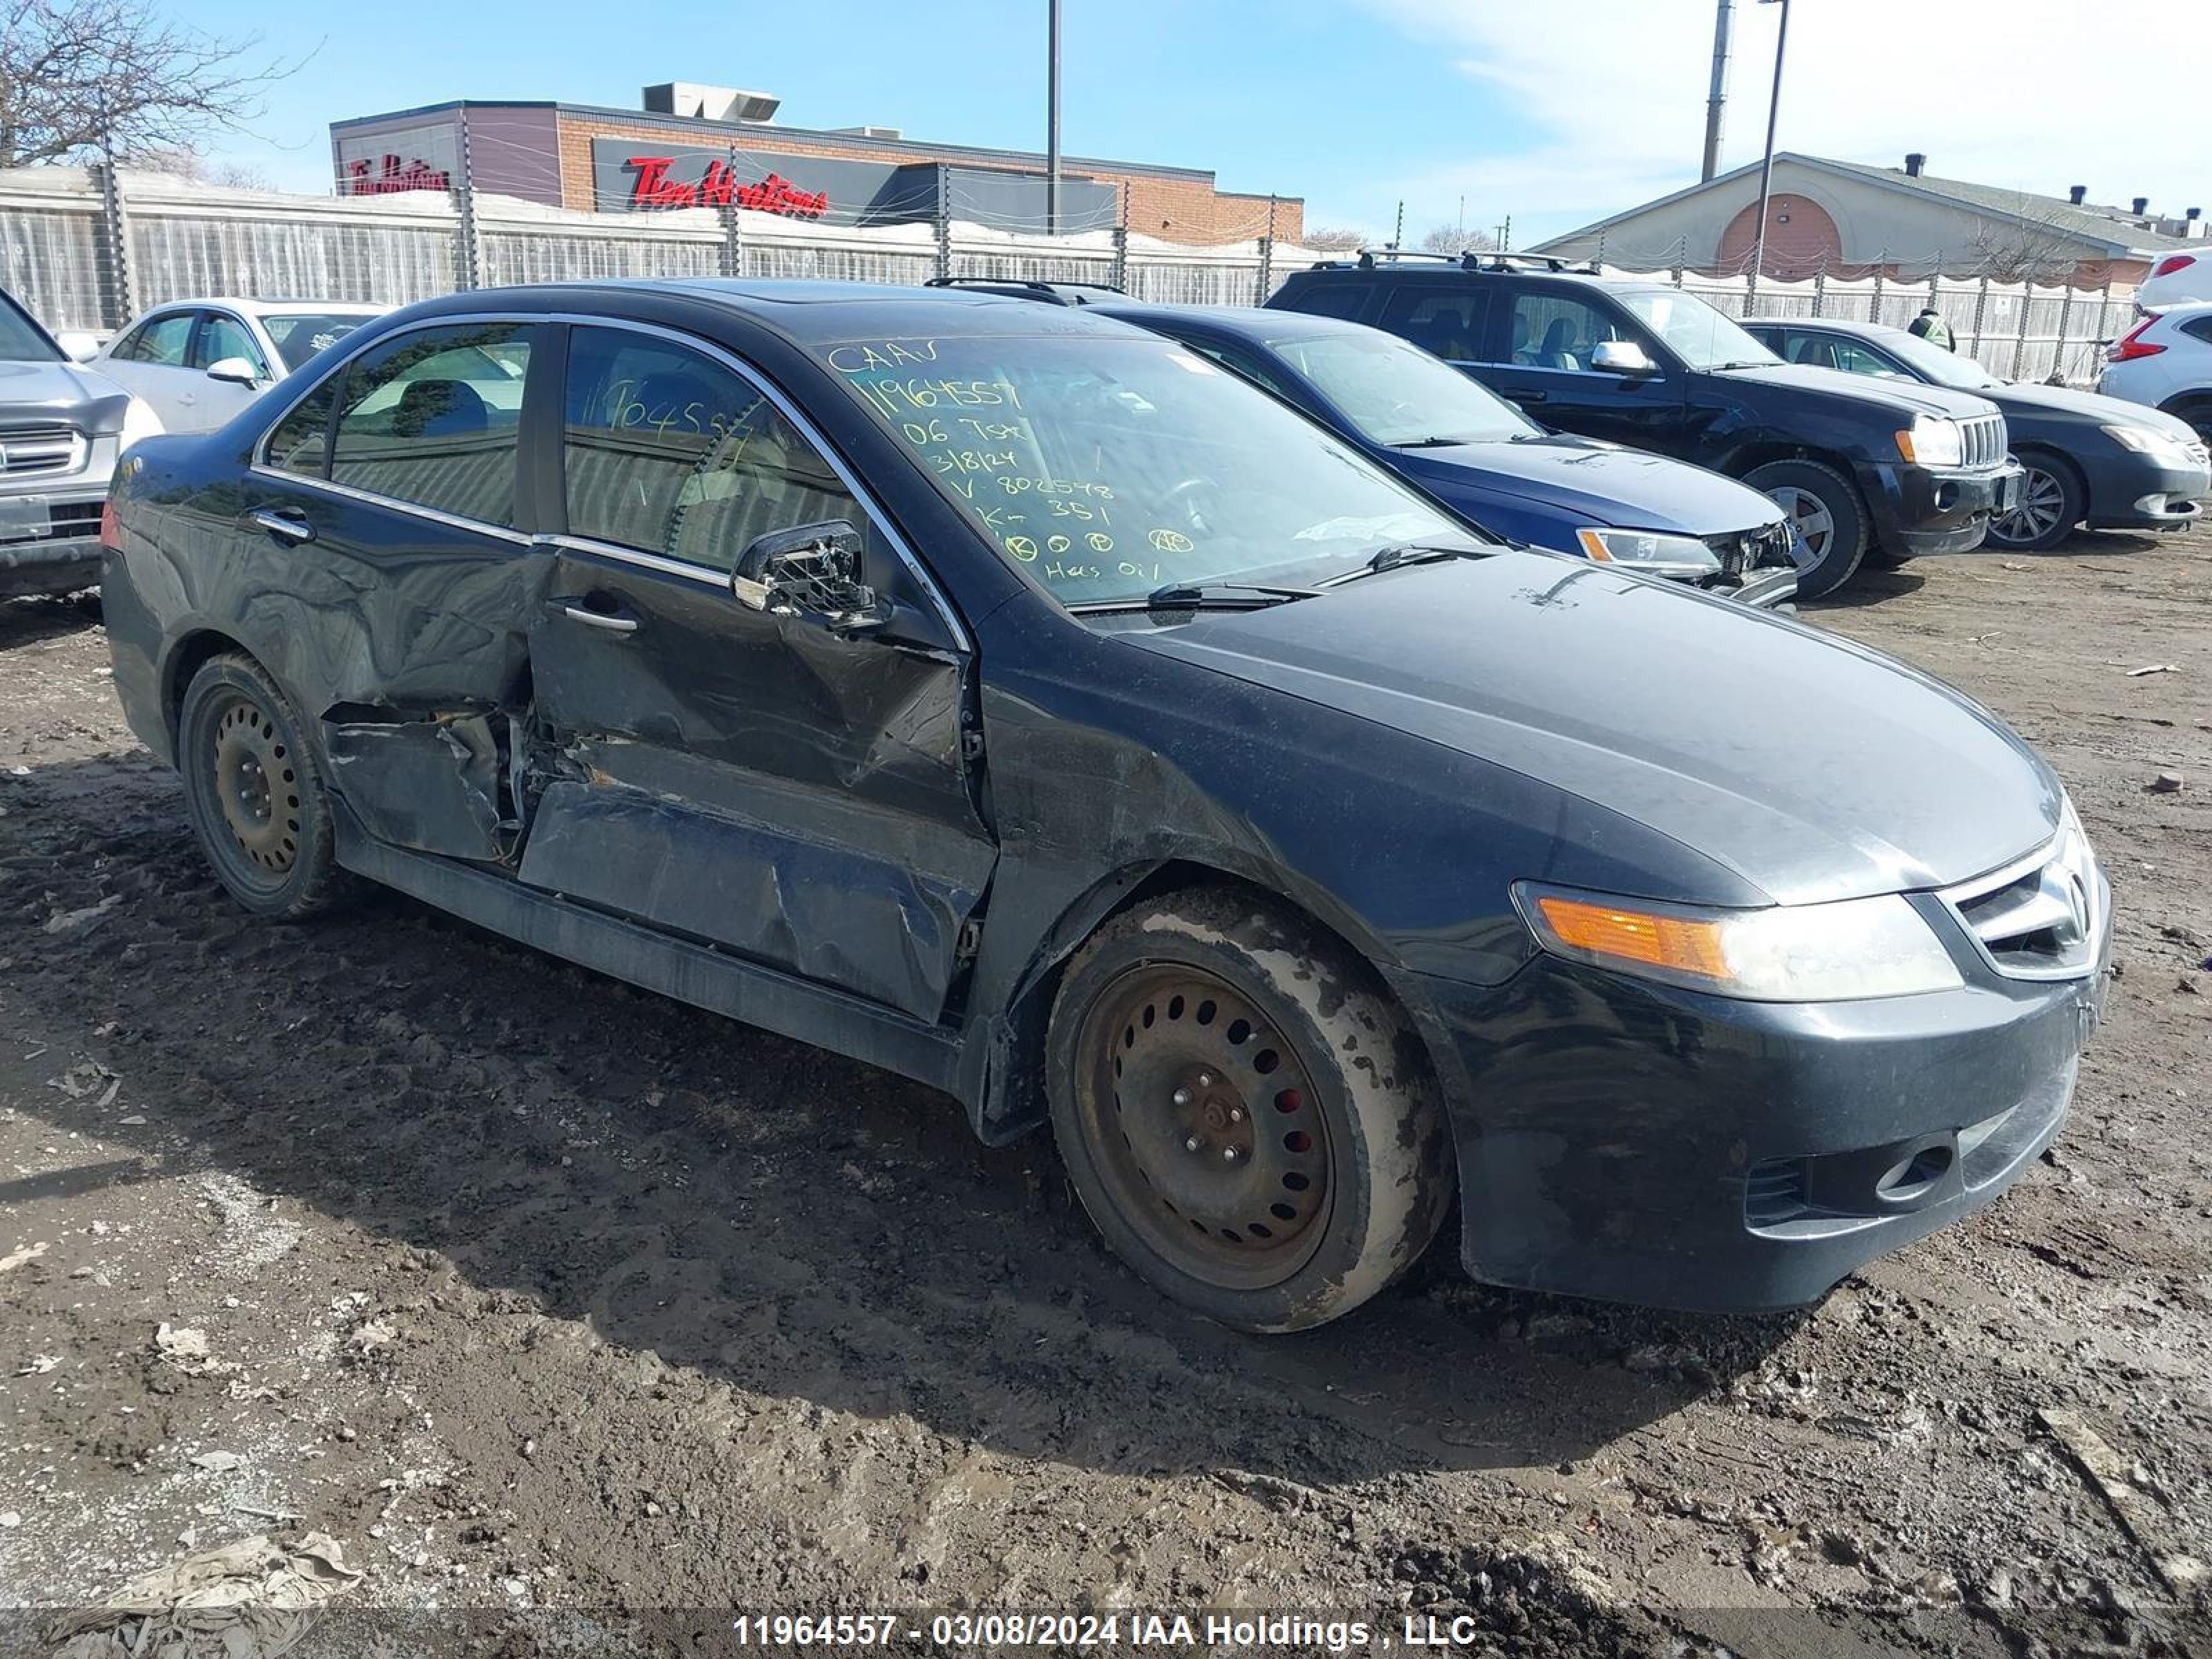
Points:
(549, 1299)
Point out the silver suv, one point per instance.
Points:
(62, 429)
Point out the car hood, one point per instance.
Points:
(2030, 402)
(1597, 483)
(31, 391)
(1902, 397)
(1811, 767)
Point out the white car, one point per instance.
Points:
(199, 362)
(2165, 363)
(2177, 279)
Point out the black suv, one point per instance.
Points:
(1890, 470)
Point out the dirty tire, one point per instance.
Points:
(255, 794)
(1246, 1114)
(1825, 505)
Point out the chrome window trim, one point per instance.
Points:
(923, 580)
(413, 509)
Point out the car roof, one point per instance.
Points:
(1409, 272)
(1827, 325)
(1245, 322)
(241, 302)
(808, 312)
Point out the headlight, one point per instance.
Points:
(139, 421)
(2169, 446)
(1869, 947)
(1648, 551)
(1930, 441)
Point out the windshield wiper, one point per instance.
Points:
(1401, 554)
(1203, 596)
(1428, 443)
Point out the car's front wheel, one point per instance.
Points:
(1247, 1115)
(2050, 506)
(254, 793)
(1823, 506)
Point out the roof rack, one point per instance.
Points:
(1369, 258)
(1029, 288)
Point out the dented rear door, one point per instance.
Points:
(752, 781)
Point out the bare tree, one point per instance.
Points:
(203, 169)
(1456, 239)
(1333, 240)
(2032, 247)
(84, 78)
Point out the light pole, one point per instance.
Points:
(1052, 119)
(1766, 167)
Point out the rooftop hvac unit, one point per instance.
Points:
(698, 103)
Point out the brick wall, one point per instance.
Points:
(1174, 209)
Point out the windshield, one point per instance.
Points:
(1944, 367)
(301, 334)
(1700, 336)
(21, 340)
(1108, 466)
(1396, 393)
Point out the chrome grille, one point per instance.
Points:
(27, 451)
(1986, 441)
(2042, 917)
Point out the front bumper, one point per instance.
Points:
(1928, 509)
(2139, 493)
(50, 526)
(1623, 1140)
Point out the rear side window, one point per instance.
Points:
(669, 452)
(158, 340)
(2201, 327)
(1344, 300)
(1558, 330)
(1444, 321)
(1836, 351)
(432, 417)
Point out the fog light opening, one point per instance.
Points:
(1917, 1175)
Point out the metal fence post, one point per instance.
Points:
(1267, 271)
(118, 298)
(1874, 306)
(1121, 257)
(2065, 336)
(731, 257)
(1820, 287)
(2020, 336)
(1981, 306)
(943, 232)
(464, 203)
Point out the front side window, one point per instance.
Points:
(669, 452)
(1107, 465)
(21, 340)
(1344, 300)
(432, 417)
(1399, 395)
(1558, 331)
(301, 334)
(158, 340)
(1699, 334)
(1840, 352)
(222, 337)
(301, 440)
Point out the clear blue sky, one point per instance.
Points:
(1323, 98)
(1557, 112)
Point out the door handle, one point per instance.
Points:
(612, 625)
(1529, 395)
(288, 525)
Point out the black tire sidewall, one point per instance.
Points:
(2072, 507)
(1848, 540)
(1304, 1297)
(305, 886)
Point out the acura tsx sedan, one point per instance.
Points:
(1017, 700)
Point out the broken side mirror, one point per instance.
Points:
(1621, 358)
(811, 570)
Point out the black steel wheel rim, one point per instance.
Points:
(1200, 1118)
(254, 778)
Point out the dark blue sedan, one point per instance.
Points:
(1468, 448)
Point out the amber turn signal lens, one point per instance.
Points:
(1685, 946)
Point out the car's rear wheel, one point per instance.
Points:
(2197, 414)
(1246, 1114)
(2051, 504)
(1823, 506)
(254, 793)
